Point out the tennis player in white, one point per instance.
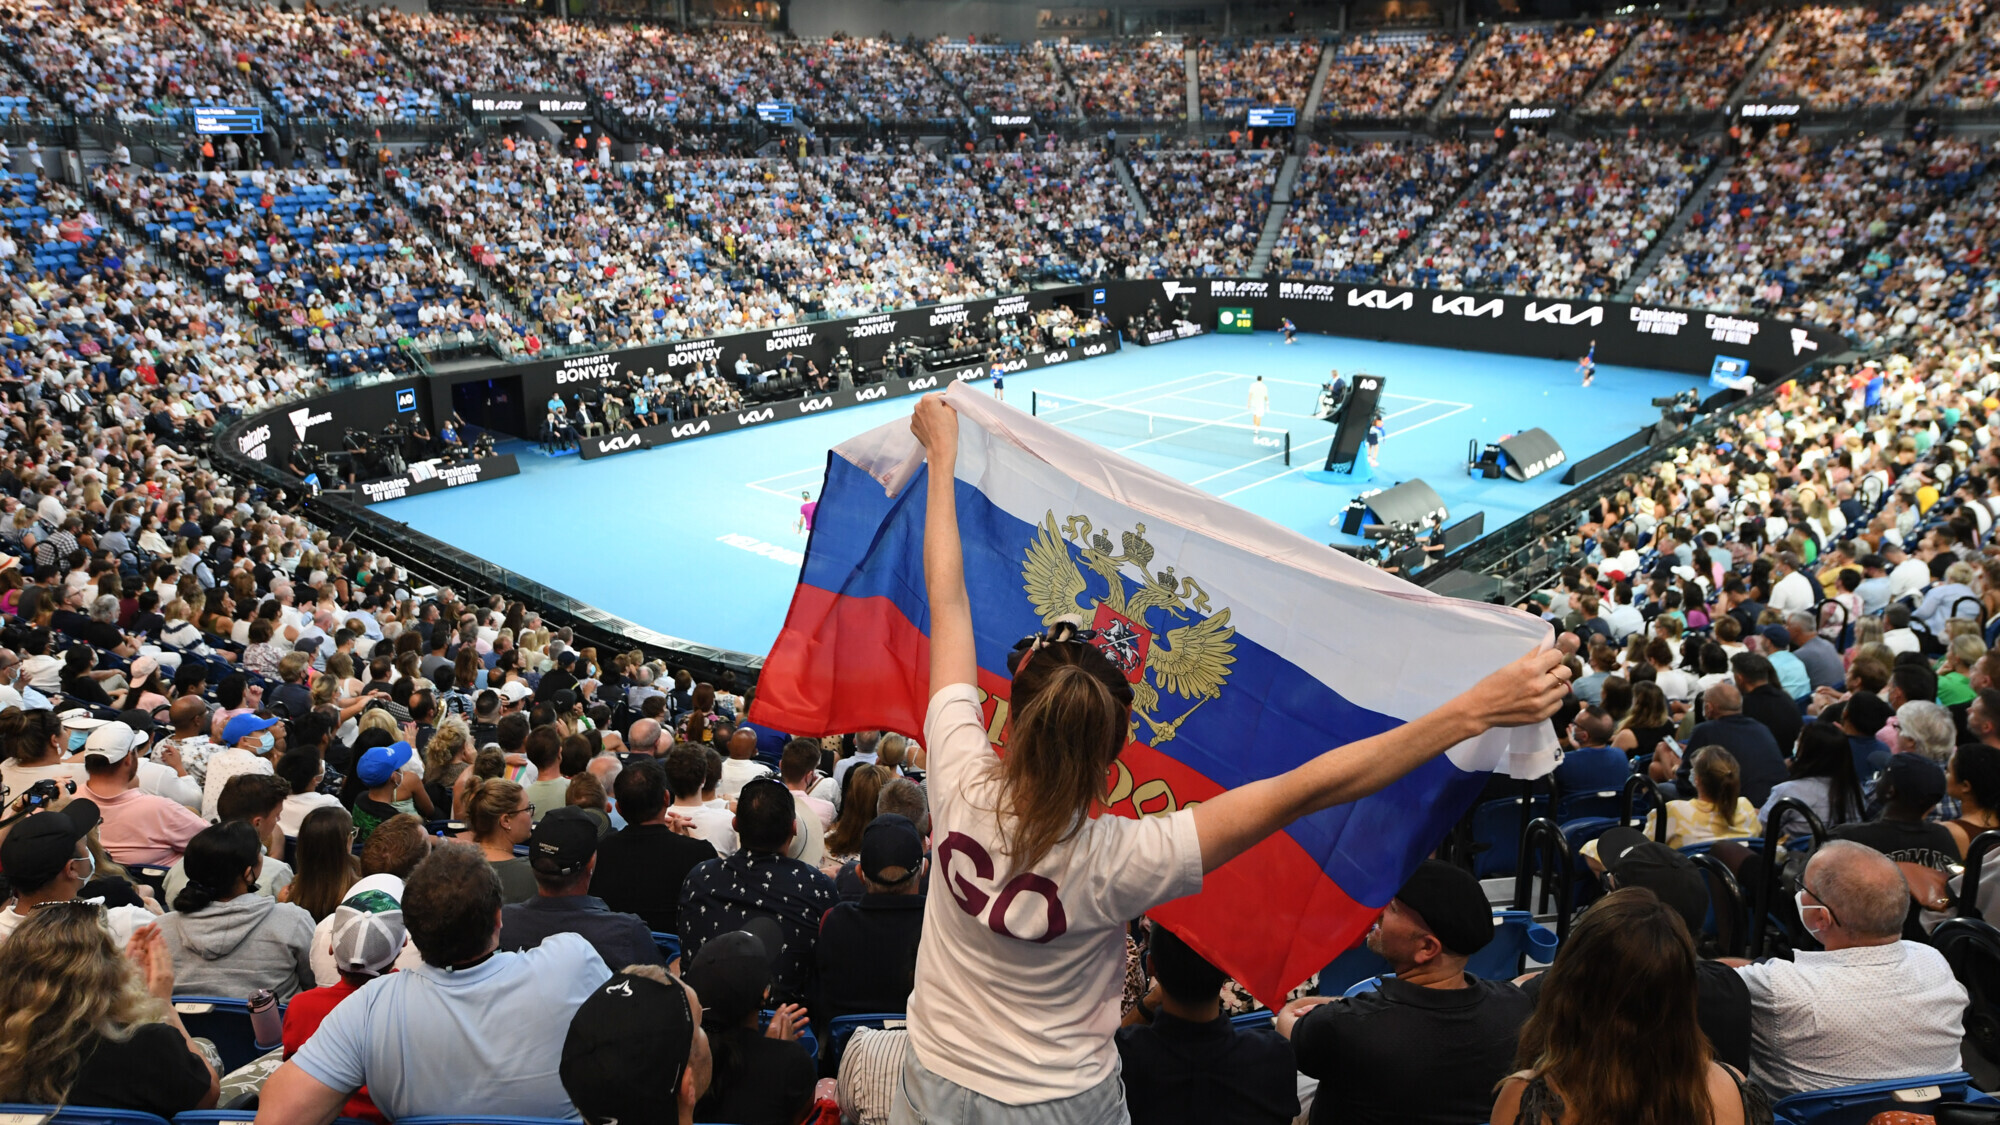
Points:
(1260, 402)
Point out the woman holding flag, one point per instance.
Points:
(1019, 974)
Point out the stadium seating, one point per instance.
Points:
(226, 1023)
(1854, 1105)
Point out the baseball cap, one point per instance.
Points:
(514, 691)
(566, 656)
(243, 726)
(379, 763)
(562, 841)
(37, 847)
(368, 933)
(562, 699)
(891, 850)
(1635, 860)
(731, 971)
(627, 1050)
(1451, 904)
(113, 741)
(1915, 780)
(1778, 635)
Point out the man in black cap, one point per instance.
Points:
(46, 860)
(563, 853)
(636, 1053)
(1722, 1002)
(769, 1077)
(1764, 701)
(1188, 1063)
(1377, 1055)
(867, 950)
(560, 678)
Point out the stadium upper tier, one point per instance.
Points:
(143, 61)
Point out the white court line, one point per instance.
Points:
(783, 495)
(1297, 446)
(1303, 468)
(1300, 383)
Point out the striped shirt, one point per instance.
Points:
(869, 1070)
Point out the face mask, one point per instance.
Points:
(89, 867)
(1800, 899)
(266, 741)
(76, 740)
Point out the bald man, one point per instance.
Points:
(1873, 1007)
(649, 738)
(1761, 763)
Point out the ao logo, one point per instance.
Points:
(812, 404)
(619, 444)
(756, 416)
(870, 394)
(689, 429)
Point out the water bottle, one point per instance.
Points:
(266, 1025)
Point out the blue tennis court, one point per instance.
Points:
(699, 540)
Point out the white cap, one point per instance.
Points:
(514, 691)
(113, 741)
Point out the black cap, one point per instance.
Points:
(1916, 781)
(626, 1051)
(1636, 860)
(38, 847)
(891, 850)
(562, 842)
(562, 699)
(731, 971)
(1452, 905)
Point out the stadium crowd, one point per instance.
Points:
(1126, 80)
(1836, 58)
(129, 60)
(471, 852)
(1676, 67)
(1789, 211)
(1535, 65)
(1354, 208)
(459, 53)
(1389, 75)
(1006, 80)
(1557, 218)
(1238, 74)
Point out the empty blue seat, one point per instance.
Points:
(79, 1115)
(1854, 1105)
(226, 1023)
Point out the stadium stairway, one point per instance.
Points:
(1281, 206)
(1192, 63)
(1605, 72)
(1672, 235)
(1327, 50)
(1138, 198)
(1757, 64)
(1923, 94)
(1451, 84)
(488, 291)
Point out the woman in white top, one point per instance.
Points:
(1020, 971)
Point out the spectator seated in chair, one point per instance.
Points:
(760, 1076)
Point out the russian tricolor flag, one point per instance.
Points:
(1251, 649)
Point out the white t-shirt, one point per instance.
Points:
(717, 826)
(221, 768)
(738, 772)
(298, 806)
(1022, 1007)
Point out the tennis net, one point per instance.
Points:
(1104, 419)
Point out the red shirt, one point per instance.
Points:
(302, 1018)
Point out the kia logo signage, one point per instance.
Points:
(1562, 313)
(1466, 306)
(810, 405)
(619, 444)
(923, 384)
(753, 417)
(870, 394)
(1379, 299)
(689, 429)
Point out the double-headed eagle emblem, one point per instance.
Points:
(1189, 661)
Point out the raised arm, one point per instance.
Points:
(952, 657)
(1527, 691)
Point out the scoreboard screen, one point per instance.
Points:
(776, 113)
(1731, 373)
(1274, 117)
(228, 119)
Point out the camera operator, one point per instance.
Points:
(302, 460)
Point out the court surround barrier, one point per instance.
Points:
(1643, 336)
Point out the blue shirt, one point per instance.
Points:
(1793, 679)
(1874, 595)
(487, 1039)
